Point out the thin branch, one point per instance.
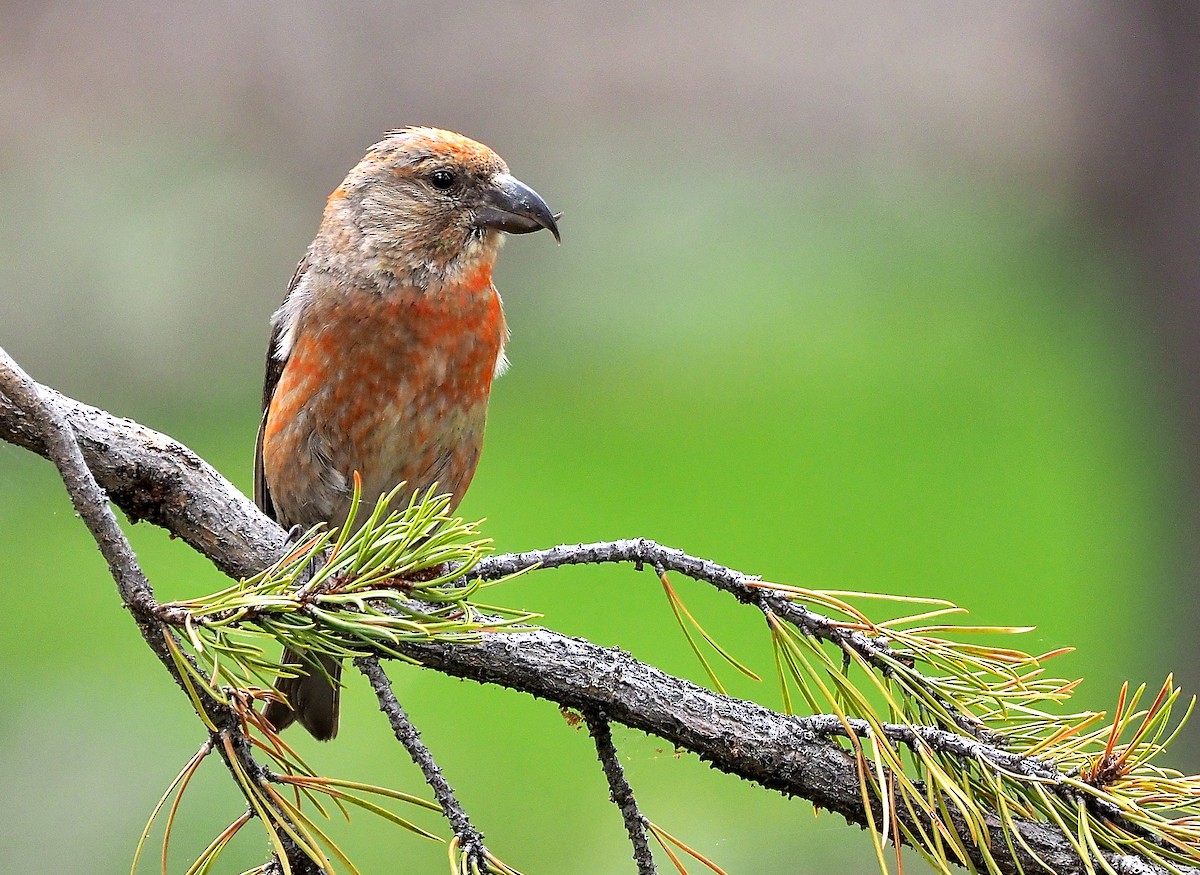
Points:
(43, 421)
(619, 790)
(470, 839)
(90, 502)
(643, 551)
(152, 477)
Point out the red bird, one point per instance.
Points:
(382, 355)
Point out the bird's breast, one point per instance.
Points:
(393, 386)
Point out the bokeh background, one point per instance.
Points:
(863, 295)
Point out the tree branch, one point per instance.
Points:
(154, 478)
(43, 423)
(619, 790)
(980, 746)
(743, 587)
(469, 838)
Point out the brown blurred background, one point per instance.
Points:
(862, 294)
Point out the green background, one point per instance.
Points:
(889, 384)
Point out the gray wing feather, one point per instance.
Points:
(274, 369)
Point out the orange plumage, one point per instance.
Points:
(384, 351)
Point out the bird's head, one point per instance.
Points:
(429, 206)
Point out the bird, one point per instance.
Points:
(382, 356)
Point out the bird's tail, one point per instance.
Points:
(312, 700)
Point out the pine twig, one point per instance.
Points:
(470, 839)
(620, 792)
(743, 587)
(643, 551)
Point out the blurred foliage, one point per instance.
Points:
(913, 389)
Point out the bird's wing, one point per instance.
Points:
(275, 366)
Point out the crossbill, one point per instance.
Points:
(382, 356)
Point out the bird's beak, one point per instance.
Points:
(510, 205)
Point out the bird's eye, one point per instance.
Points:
(442, 179)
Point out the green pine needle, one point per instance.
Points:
(400, 577)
